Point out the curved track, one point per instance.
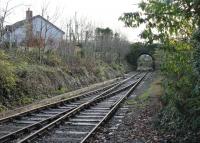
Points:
(17, 127)
(79, 124)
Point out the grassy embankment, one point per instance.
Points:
(24, 79)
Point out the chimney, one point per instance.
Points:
(29, 28)
(29, 14)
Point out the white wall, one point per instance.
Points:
(39, 25)
(42, 26)
(17, 36)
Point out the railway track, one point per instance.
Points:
(21, 127)
(79, 124)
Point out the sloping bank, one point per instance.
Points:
(23, 83)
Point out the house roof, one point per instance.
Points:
(22, 22)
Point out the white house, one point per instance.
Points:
(34, 31)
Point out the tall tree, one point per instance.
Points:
(165, 19)
(173, 22)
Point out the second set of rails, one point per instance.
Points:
(72, 120)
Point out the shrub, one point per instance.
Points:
(181, 98)
(7, 76)
(51, 59)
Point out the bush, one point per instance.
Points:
(51, 59)
(7, 76)
(181, 98)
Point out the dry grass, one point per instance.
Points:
(154, 91)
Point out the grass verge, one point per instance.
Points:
(154, 91)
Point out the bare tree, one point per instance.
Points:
(45, 39)
(95, 43)
(6, 9)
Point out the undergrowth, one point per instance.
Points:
(25, 79)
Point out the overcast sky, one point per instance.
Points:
(104, 13)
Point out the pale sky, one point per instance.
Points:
(104, 13)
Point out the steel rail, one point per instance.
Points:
(63, 101)
(113, 110)
(40, 124)
(2, 120)
(58, 121)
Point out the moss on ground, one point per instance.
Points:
(142, 100)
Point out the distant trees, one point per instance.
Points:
(110, 46)
(85, 40)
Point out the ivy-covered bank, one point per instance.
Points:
(23, 80)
